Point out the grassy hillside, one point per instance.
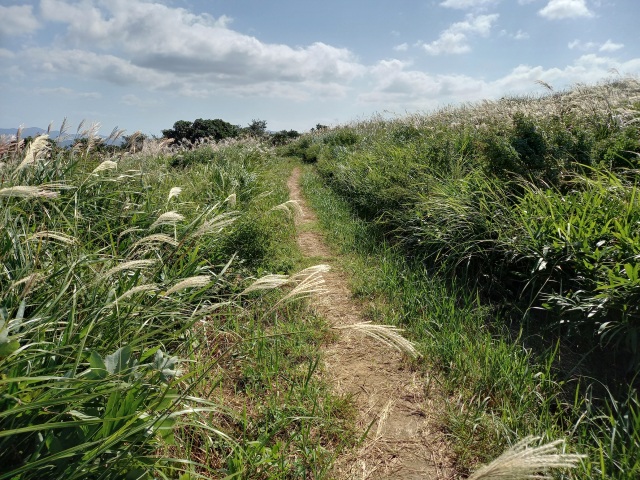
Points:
(507, 241)
(134, 339)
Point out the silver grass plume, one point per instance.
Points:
(106, 165)
(191, 282)
(167, 218)
(25, 191)
(174, 192)
(37, 150)
(524, 461)
(130, 265)
(387, 334)
(290, 207)
(49, 235)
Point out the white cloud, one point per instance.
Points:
(17, 20)
(67, 92)
(558, 9)
(166, 47)
(608, 46)
(397, 87)
(465, 4)
(403, 47)
(455, 39)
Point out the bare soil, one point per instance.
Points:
(400, 405)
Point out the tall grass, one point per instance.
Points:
(511, 254)
(127, 349)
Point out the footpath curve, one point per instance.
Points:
(404, 440)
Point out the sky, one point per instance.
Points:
(144, 64)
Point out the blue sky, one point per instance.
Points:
(143, 64)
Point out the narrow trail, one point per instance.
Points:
(404, 441)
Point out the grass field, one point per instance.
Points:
(503, 235)
(132, 344)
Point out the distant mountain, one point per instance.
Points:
(53, 134)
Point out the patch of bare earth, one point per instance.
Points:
(404, 439)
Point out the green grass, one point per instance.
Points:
(501, 236)
(127, 348)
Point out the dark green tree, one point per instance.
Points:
(199, 129)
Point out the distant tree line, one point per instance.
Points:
(217, 129)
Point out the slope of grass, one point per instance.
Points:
(511, 253)
(127, 346)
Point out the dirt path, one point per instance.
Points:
(404, 441)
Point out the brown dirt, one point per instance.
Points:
(404, 441)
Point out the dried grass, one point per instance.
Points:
(523, 461)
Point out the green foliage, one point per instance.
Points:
(119, 296)
(522, 206)
(201, 129)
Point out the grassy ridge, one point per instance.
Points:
(128, 348)
(525, 210)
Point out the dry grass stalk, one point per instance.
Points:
(231, 200)
(191, 282)
(524, 461)
(387, 334)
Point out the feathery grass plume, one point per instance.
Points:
(31, 282)
(147, 287)
(37, 150)
(216, 224)
(92, 136)
(106, 165)
(191, 282)
(114, 135)
(387, 334)
(25, 191)
(174, 192)
(310, 282)
(231, 200)
(526, 461)
(155, 238)
(47, 235)
(268, 282)
(167, 218)
(290, 207)
(130, 265)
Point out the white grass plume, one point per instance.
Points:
(130, 265)
(26, 191)
(49, 235)
(387, 334)
(524, 461)
(37, 150)
(167, 218)
(31, 282)
(268, 282)
(147, 287)
(106, 165)
(174, 192)
(290, 207)
(155, 238)
(191, 282)
(216, 224)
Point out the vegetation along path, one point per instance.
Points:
(403, 439)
